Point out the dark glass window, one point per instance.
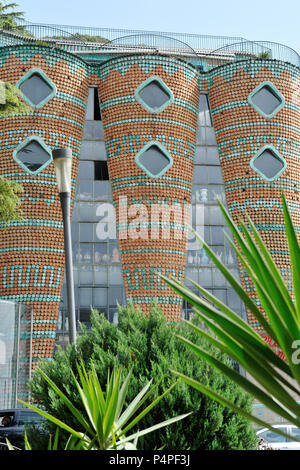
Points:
(268, 164)
(93, 106)
(33, 156)
(154, 95)
(101, 170)
(266, 100)
(36, 89)
(154, 160)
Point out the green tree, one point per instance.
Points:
(9, 15)
(149, 346)
(10, 104)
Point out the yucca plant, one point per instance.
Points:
(107, 422)
(276, 381)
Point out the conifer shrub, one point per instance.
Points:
(150, 348)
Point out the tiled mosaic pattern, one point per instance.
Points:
(242, 133)
(32, 254)
(31, 269)
(128, 128)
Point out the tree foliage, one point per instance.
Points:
(11, 103)
(10, 203)
(9, 200)
(273, 380)
(149, 346)
(9, 15)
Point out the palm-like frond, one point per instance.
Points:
(276, 381)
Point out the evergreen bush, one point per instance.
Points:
(150, 348)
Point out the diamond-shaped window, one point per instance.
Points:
(36, 88)
(266, 99)
(154, 95)
(154, 159)
(33, 155)
(268, 163)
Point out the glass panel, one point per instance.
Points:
(202, 105)
(295, 433)
(200, 154)
(101, 171)
(215, 175)
(86, 170)
(85, 315)
(100, 253)
(200, 135)
(88, 131)
(74, 232)
(115, 295)
(100, 274)
(114, 254)
(90, 105)
(154, 160)
(216, 216)
(191, 275)
(75, 211)
(266, 100)
(213, 156)
(220, 294)
(268, 164)
(154, 95)
(100, 297)
(85, 190)
(85, 296)
(210, 136)
(115, 275)
(271, 436)
(86, 211)
(99, 151)
(205, 278)
(33, 156)
(101, 190)
(86, 275)
(98, 130)
(86, 232)
(87, 150)
(36, 89)
(86, 253)
(217, 236)
(200, 174)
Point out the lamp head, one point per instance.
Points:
(62, 160)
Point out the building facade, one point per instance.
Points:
(156, 139)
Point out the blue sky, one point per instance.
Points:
(254, 20)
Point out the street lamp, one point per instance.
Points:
(62, 159)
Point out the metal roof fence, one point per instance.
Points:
(83, 39)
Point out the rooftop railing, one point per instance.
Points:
(81, 39)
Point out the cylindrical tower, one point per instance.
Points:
(149, 107)
(32, 250)
(255, 108)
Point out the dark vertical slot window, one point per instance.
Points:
(93, 106)
(101, 171)
(97, 114)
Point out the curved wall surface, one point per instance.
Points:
(32, 249)
(255, 108)
(150, 201)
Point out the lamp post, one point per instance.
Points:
(62, 159)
